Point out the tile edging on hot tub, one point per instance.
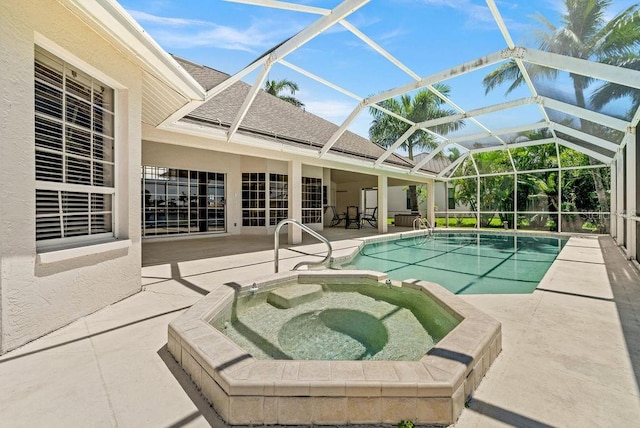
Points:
(458, 361)
(198, 330)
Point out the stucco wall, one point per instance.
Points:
(233, 165)
(442, 200)
(398, 201)
(348, 195)
(441, 196)
(35, 297)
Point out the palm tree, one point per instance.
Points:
(386, 130)
(275, 87)
(454, 153)
(612, 91)
(584, 33)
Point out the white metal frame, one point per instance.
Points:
(521, 55)
(598, 148)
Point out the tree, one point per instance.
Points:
(584, 33)
(466, 189)
(454, 153)
(496, 191)
(612, 91)
(276, 87)
(386, 130)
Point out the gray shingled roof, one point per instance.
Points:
(272, 118)
(438, 163)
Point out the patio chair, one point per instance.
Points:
(353, 217)
(370, 217)
(336, 218)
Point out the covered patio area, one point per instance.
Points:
(571, 349)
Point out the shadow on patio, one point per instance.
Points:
(157, 252)
(625, 284)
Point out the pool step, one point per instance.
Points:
(294, 295)
(346, 267)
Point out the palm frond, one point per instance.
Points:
(292, 100)
(275, 87)
(507, 72)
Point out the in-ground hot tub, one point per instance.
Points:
(376, 373)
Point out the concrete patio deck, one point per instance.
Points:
(571, 349)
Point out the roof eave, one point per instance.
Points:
(123, 30)
(334, 158)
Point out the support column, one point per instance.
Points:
(383, 204)
(326, 186)
(514, 224)
(613, 204)
(560, 178)
(636, 185)
(477, 202)
(294, 168)
(632, 165)
(431, 202)
(620, 208)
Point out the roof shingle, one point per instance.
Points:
(274, 118)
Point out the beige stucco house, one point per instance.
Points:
(106, 140)
(90, 103)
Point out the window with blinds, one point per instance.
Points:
(74, 153)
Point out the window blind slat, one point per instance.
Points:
(48, 166)
(78, 112)
(78, 171)
(103, 96)
(103, 122)
(48, 100)
(103, 148)
(48, 228)
(103, 174)
(78, 141)
(48, 74)
(46, 202)
(75, 202)
(75, 225)
(77, 88)
(101, 224)
(48, 134)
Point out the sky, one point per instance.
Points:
(427, 36)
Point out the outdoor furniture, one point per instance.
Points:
(336, 218)
(353, 217)
(404, 220)
(370, 217)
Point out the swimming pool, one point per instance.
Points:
(465, 263)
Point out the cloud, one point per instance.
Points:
(357, 20)
(332, 110)
(183, 33)
(478, 16)
(617, 8)
(392, 34)
(219, 37)
(557, 7)
(337, 111)
(173, 22)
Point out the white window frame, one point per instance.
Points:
(149, 168)
(119, 111)
(311, 212)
